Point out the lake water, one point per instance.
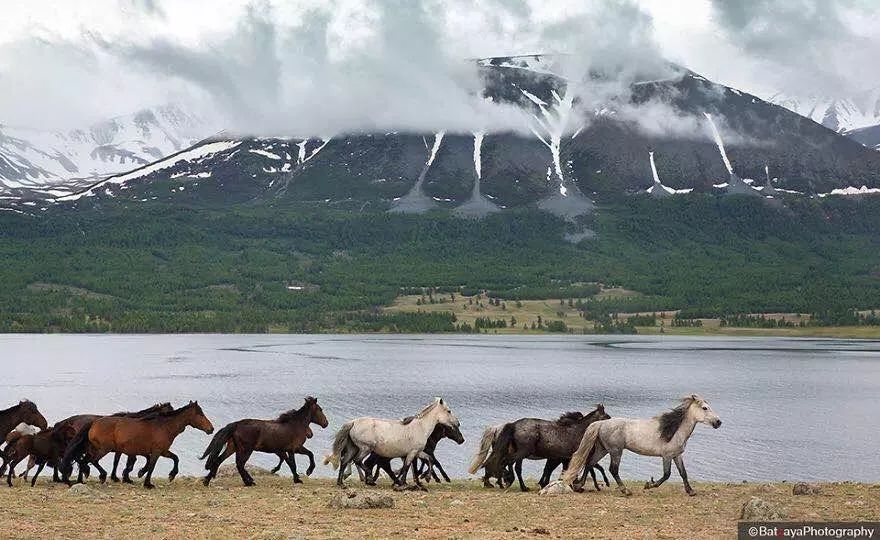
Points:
(793, 409)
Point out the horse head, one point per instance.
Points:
(317, 413)
(599, 413)
(198, 419)
(31, 415)
(453, 433)
(701, 411)
(444, 414)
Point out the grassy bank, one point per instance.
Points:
(277, 509)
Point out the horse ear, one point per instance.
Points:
(600, 407)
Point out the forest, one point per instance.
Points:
(289, 267)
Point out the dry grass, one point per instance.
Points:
(277, 509)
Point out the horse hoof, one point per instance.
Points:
(297, 480)
(627, 493)
(648, 485)
(113, 478)
(691, 493)
(309, 471)
(149, 486)
(127, 481)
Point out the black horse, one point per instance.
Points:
(534, 438)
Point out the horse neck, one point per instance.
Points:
(427, 423)
(177, 423)
(684, 431)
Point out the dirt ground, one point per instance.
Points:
(276, 509)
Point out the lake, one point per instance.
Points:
(793, 409)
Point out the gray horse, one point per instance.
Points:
(663, 436)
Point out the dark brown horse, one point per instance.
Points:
(45, 448)
(23, 412)
(281, 437)
(80, 420)
(150, 436)
(534, 438)
(303, 451)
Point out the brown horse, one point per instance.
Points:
(80, 420)
(282, 437)
(25, 411)
(150, 437)
(45, 448)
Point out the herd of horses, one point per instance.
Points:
(575, 440)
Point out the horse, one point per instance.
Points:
(374, 462)
(44, 448)
(23, 412)
(663, 436)
(534, 438)
(490, 434)
(389, 439)
(18, 431)
(150, 436)
(281, 437)
(80, 420)
(303, 451)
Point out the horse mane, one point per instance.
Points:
(670, 421)
(22, 403)
(426, 410)
(569, 418)
(296, 413)
(407, 420)
(158, 414)
(147, 411)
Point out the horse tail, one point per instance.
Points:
(583, 452)
(504, 443)
(75, 449)
(340, 441)
(489, 436)
(215, 447)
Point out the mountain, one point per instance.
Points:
(857, 117)
(565, 166)
(34, 162)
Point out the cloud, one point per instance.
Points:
(807, 46)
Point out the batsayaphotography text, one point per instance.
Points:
(284, 269)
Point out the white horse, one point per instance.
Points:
(663, 436)
(389, 439)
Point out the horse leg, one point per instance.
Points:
(12, 463)
(36, 474)
(291, 463)
(241, 457)
(615, 471)
(126, 472)
(102, 474)
(151, 464)
(302, 450)
(416, 477)
(385, 465)
(116, 457)
(517, 466)
(667, 469)
(281, 460)
(173, 457)
(679, 464)
(549, 466)
(213, 472)
(441, 471)
(604, 476)
(345, 457)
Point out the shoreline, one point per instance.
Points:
(275, 509)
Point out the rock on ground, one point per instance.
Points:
(556, 487)
(276, 535)
(756, 509)
(228, 470)
(361, 499)
(82, 490)
(802, 488)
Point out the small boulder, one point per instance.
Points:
(361, 499)
(230, 471)
(82, 490)
(756, 509)
(802, 488)
(557, 487)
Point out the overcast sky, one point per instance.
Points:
(333, 64)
